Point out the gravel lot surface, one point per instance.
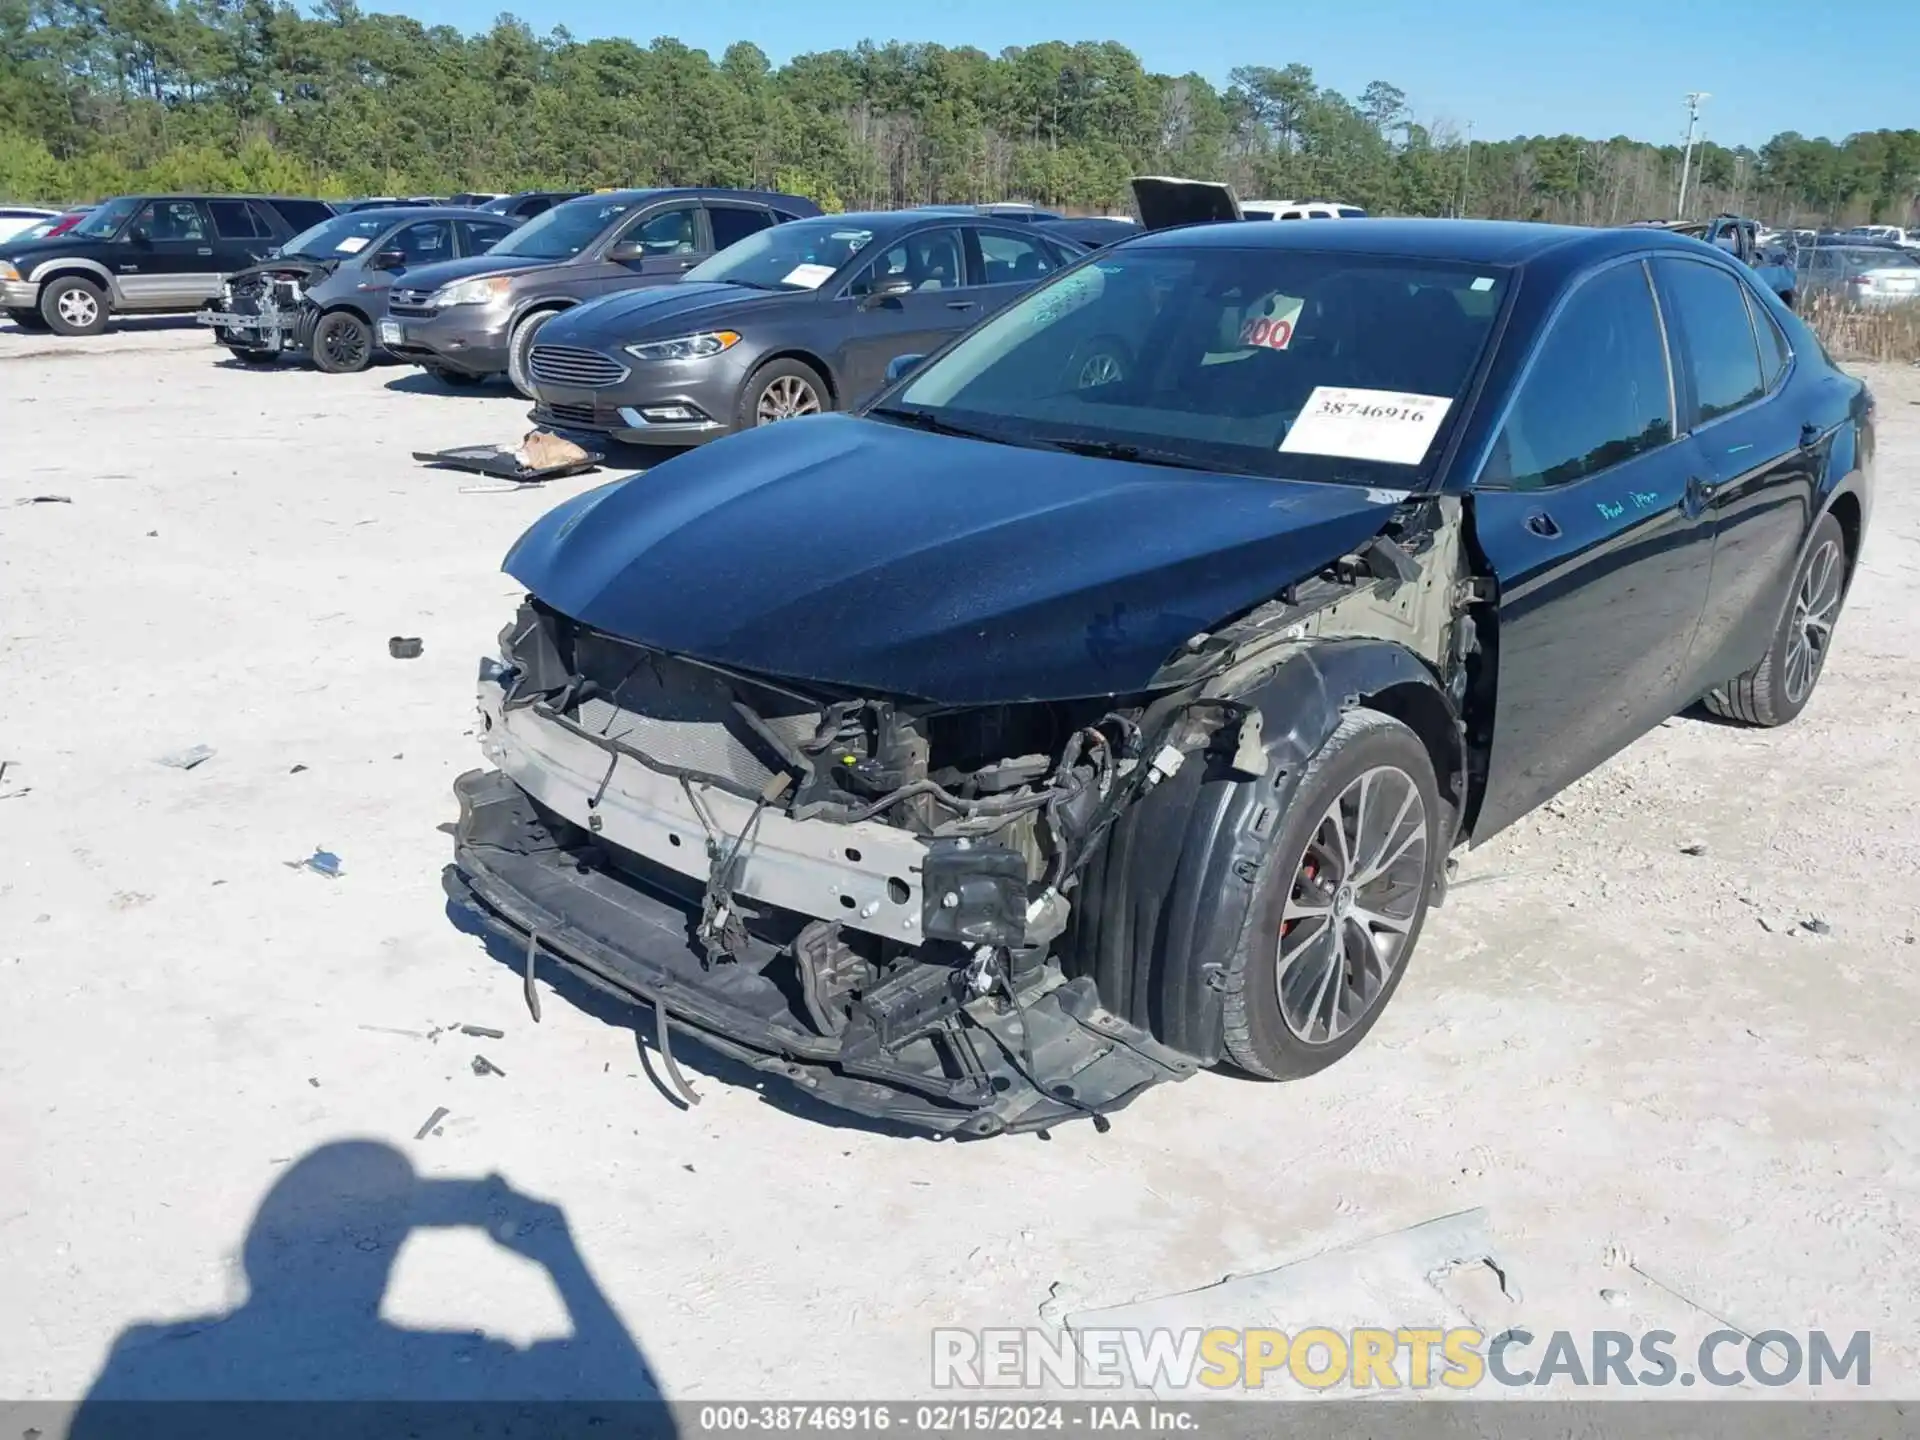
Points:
(1625, 1035)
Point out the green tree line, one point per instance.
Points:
(100, 96)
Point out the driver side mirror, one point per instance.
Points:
(902, 365)
(388, 260)
(883, 292)
(625, 252)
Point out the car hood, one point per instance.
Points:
(664, 309)
(25, 252)
(445, 272)
(857, 553)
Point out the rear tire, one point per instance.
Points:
(1340, 901)
(28, 320)
(782, 390)
(1778, 688)
(73, 306)
(342, 343)
(520, 346)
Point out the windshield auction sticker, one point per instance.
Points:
(811, 276)
(1383, 425)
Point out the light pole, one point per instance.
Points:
(1466, 173)
(1686, 162)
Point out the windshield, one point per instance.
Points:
(564, 231)
(800, 255)
(339, 237)
(103, 222)
(1289, 363)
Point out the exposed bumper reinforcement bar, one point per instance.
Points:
(1060, 1057)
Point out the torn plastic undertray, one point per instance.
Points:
(497, 461)
(1060, 1057)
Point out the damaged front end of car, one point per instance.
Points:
(968, 918)
(264, 310)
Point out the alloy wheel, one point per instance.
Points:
(1815, 608)
(78, 308)
(1101, 368)
(345, 346)
(1357, 891)
(786, 398)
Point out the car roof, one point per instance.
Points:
(1483, 242)
(692, 192)
(427, 212)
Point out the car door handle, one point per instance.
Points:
(1543, 525)
(204, 250)
(960, 304)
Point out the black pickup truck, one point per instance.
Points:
(144, 254)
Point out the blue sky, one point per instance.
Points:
(1508, 66)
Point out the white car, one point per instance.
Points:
(1889, 234)
(15, 218)
(1300, 210)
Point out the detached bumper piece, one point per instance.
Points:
(500, 463)
(917, 1053)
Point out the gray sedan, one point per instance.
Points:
(798, 319)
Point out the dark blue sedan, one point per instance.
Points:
(1102, 700)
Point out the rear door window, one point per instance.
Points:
(733, 223)
(1716, 349)
(235, 220)
(1774, 350)
(483, 235)
(1598, 391)
(1008, 259)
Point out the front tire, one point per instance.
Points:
(782, 390)
(1778, 688)
(1340, 901)
(520, 348)
(342, 343)
(74, 307)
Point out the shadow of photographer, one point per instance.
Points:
(318, 1257)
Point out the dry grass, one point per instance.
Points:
(1851, 333)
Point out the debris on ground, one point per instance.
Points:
(483, 1032)
(1616, 1298)
(46, 500)
(1814, 925)
(321, 862)
(296, 770)
(484, 1066)
(311, 1080)
(1696, 848)
(405, 647)
(440, 1112)
(544, 450)
(186, 759)
(539, 456)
